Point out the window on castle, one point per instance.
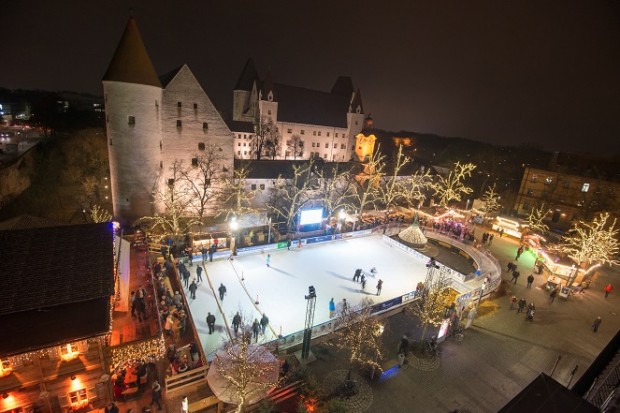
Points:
(195, 105)
(245, 152)
(239, 153)
(269, 112)
(171, 182)
(201, 146)
(161, 164)
(111, 142)
(245, 144)
(326, 145)
(336, 134)
(289, 130)
(205, 126)
(179, 123)
(253, 187)
(319, 133)
(303, 132)
(131, 120)
(194, 161)
(179, 104)
(238, 143)
(262, 186)
(324, 156)
(335, 145)
(328, 134)
(343, 146)
(314, 133)
(344, 136)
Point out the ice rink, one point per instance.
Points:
(281, 288)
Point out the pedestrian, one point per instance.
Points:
(192, 289)
(363, 279)
(379, 286)
(211, 322)
(608, 289)
(332, 308)
(552, 295)
(186, 277)
(403, 346)
(345, 306)
(268, 260)
(111, 408)
(363, 284)
(596, 324)
(236, 322)
(204, 252)
(156, 394)
(510, 266)
(491, 239)
(519, 252)
(530, 280)
(513, 301)
(222, 291)
(255, 329)
(264, 322)
(521, 305)
(288, 244)
(356, 275)
(212, 250)
(199, 273)
(515, 276)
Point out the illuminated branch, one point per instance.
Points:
(99, 214)
(535, 219)
(235, 198)
(451, 188)
(491, 200)
(592, 242)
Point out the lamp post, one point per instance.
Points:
(269, 231)
(482, 288)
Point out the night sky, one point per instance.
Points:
(503, 72)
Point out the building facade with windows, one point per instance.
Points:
(311, 123)
(153, 123)
(569, 197)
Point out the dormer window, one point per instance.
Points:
(270, 96)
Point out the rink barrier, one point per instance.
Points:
(323, 329)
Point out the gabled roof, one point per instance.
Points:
(46, 267)
(167, 77)
(312, 107)
(357, 101)
(343, 86)
(131, 62)
(247, 77)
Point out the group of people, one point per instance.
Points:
(521, 307)
(487, 238)
(360, 276)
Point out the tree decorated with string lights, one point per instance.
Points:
(452, 187)
(359, 335)
(435, 299)
(99, 214)
(535, 221)
(491, 200)
(592, 242)
(242, 368)
(234, 198)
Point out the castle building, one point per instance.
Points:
(153, 123)
(310, 123)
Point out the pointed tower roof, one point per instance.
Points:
(357, 101)
(268, 86)
(247, 77)
(131, 62)
(343, 86)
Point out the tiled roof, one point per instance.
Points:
(131, 62)
(247, 77)
(312, 107)
(238, 126)
(35, 329)
(55, 266)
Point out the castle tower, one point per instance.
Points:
(132, 94)
(244, 94)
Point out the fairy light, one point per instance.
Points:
(152, 347)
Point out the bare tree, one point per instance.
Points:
(535, 221)
(366, 188)
(99, 214)
(436, 298)
(267, 137)
(392, 189)
(592, 242)
(203, 178)
(235, 198)
(451, 187)
(335, 187)
(291, 194)
(174, 198)
(247, 368)
(491, 200)
(359, 335)
(295, 145)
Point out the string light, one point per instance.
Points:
(152, 347)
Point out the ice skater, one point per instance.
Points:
(268, 261)
(379, 286)
(236, 322)
(345, 306)
(332, 308)
(363, 284)
(222, 291)
(199, 273)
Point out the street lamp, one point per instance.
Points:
(482, 288)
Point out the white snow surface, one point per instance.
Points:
(281, 288)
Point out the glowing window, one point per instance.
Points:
(69, 349)
(78, 396)
(585, 187)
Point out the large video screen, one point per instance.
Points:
(311, 216)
